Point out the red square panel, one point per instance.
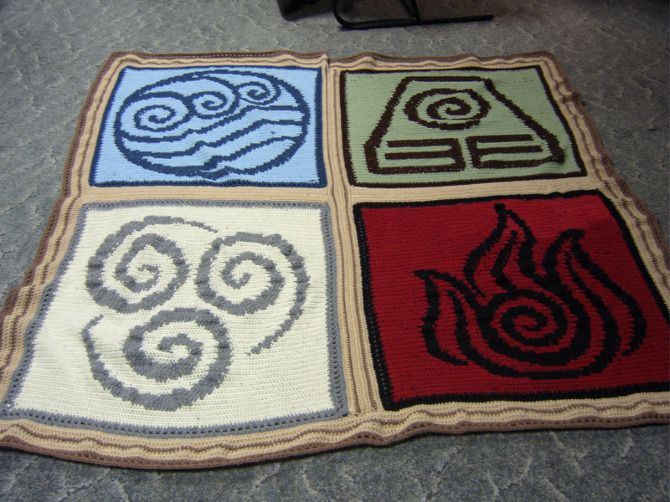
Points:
(516, 298)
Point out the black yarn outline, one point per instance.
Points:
(377, 350)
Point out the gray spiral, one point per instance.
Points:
(132, 277)
(264, 265)
(164, 372)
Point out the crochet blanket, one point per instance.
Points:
(256, 256)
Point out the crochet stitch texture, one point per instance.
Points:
(263, 255)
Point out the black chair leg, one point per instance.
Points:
(414, 18)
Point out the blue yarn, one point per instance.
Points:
(223, 125)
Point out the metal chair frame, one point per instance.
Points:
(414, 18)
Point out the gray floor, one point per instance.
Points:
(616, 53)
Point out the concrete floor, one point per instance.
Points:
(616, 53)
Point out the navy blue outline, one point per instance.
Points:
(211, 168)
(320, 168)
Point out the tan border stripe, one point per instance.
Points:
(368, 423)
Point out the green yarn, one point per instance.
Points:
(516, 105)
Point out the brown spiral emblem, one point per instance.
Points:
(448, 109)
(440, 124)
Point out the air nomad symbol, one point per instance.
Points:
(183, 354)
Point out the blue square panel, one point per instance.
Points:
(216, 125)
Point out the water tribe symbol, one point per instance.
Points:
(561, 317)
(180, 355)
(441, 124)
(212, 124)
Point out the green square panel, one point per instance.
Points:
(418, 128)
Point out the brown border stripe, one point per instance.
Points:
(368, 423)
